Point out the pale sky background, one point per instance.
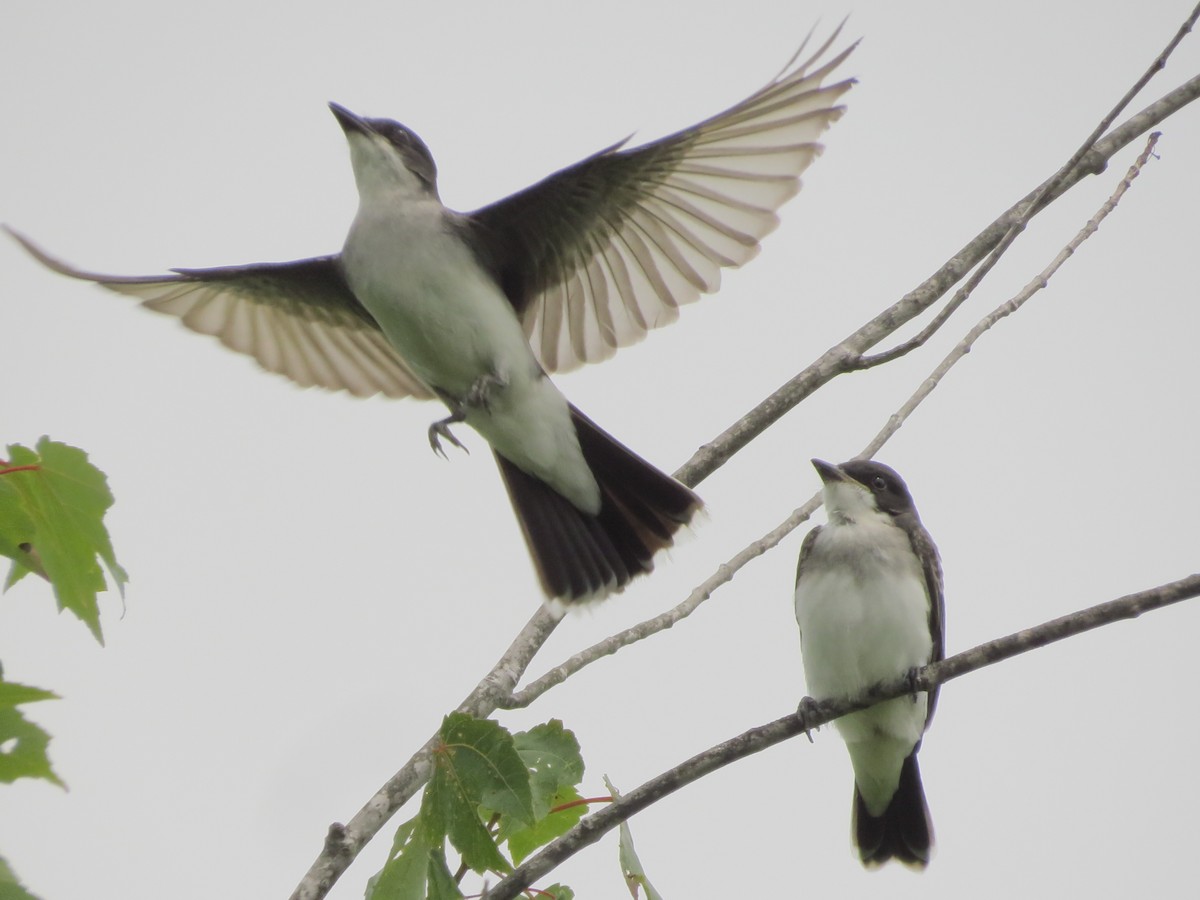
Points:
(312, 589)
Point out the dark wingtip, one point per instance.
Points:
(50, 262)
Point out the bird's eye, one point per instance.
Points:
(879, 483)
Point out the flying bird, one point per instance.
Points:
(869, 605)
(477, 309)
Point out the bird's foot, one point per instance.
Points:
(911, 677)
(807, 709)
(479, 395)
(441, 429)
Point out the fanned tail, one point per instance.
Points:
(582, 557)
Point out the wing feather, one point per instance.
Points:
(596, 255)
(297, 319)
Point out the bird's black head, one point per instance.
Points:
(890, 492)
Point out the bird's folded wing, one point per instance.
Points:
(926, 551)
(599, 253)
(297, 319)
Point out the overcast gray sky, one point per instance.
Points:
(312, 588)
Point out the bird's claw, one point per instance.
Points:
(478, 396)
(911, 677)
(441, 429)
(807, 708)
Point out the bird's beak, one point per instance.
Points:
(828, 471)
(349, 121)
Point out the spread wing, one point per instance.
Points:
(599, 253)
(297, 319)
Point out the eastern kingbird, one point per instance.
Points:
(476, 308)
(869, 604)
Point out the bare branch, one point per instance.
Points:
(963, 347)
(843, 357)
(727, 570)
(1035, 204)
(596, 825)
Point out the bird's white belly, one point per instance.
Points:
(860, 625)
(445, 316)
(453, 326)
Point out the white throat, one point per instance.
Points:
(380, 172)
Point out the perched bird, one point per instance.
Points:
(869, 605)
(475, 309)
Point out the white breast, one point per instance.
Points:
(437, 307)
(453, 325)
(860, 623)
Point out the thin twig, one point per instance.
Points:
(842, 357)
(1033, 206)
(963, 347)
(593, 827)
(645, 629)
(726, 571)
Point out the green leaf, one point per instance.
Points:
(65, 498)
(477, 771)
(23, 749)
(432, 817)
(485, 761)
(416, 869)
(16, 534)
(481, 778)
(10, 885)
(631, 866)
(557, 892)
(441, 882)
(450, 808)
(523, 841)
(403, 876)
(551, 754)
(12, 694)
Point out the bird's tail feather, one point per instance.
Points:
(904, 832)
(579, 556)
